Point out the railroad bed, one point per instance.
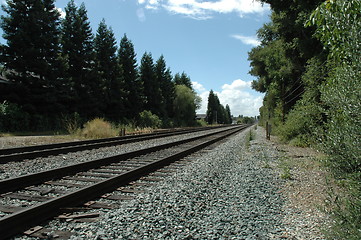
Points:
(17, 168)
(30, 152)
(32, 198)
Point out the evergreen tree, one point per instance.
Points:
(228, 115)
(108, 70)
(77, 40)
(164, 78)
(132, 84)
(31, 30)
(183, 79)
(211, 114)
(150, 82)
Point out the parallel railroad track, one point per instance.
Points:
(96, 178)
(30, 152)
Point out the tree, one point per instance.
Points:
(132, 84)
(78, 51)
(185, 106)
(338, 27)
(164, 78)
(228, 115)
(211, 114)
(183, 79)
(152, 93)
(109, 72)
(282, 58)
(31, 30)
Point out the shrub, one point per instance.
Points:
(13, 118)
(71, 123)
(342, 142)
(148, 119)
(98, 128)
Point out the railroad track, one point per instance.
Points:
(93, 180)
(30, 152)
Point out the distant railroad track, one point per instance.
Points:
(98, 177)
(30, 152)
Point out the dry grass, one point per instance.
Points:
(98, 128)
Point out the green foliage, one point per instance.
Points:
(148, 119)
(185, 106)
(154, 101)
(110, 93)
(338, 27)
(302, 125)
(183, 79)
(98, 128)
(202, 123)
(246, 120)
(57, 67)
(342, 94)
(216, 112)
(13, 118)
(133, 86)
(164, 78)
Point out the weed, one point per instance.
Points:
(98, 128)
(285, 166)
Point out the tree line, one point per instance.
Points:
(308, 66)
(56, 68)
(216, 112)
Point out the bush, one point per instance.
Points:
(342, 141)
(302, 124)
(148, 119)
(98, 128)
(13, 118)
(71, 123)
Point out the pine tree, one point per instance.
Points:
(164, 78)
(228, 115)
(77, 41)
(108, 70)
(211, 115)
(132, 84)
(183, 79)
(31, 30)
(152, 93)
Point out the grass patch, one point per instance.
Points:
(285, 166)
(250, 137)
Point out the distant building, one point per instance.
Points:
(201, 116)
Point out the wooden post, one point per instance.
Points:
(268, 131)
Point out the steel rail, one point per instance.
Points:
(17, 222)
(30, 152)
(12, 184)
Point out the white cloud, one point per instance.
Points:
(247, 39)
(237, 95)
(141, 14)
(198, 87)
(199, 9)
(62, 13)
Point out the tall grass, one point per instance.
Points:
(98, 128)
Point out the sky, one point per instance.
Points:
(209, 40)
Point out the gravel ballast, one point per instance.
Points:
(14, 169)
(223, 194)
(233, 191)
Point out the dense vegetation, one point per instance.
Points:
(308, 65)
(57, 71)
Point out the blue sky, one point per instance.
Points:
(207, 39)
